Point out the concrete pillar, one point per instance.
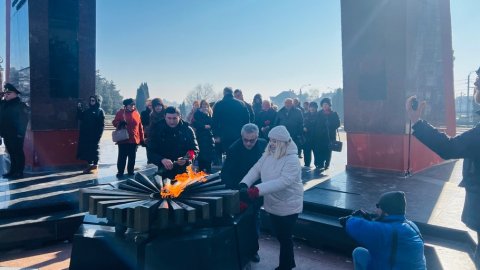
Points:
(391, 50)
(52, 62)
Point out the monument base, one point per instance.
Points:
(51, 150)
(229, 245)
(387, 152)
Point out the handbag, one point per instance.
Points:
(120, 134)
(336, 145)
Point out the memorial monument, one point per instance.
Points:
(51, 60)
(392, 50)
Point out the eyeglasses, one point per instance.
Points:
(249, 141)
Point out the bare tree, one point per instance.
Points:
(200, 92)
(313, 93)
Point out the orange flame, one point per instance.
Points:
(174, 190)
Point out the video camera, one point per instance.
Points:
(357, 213)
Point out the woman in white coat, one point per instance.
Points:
(281, 187)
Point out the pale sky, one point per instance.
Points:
(261, 46)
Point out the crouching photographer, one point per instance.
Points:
(388, 239)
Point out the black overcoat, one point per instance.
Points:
(327, 125)
(171, 143)
(205, 140)
(229, 116)
(466, 146)
(13, 118)
(92, 124)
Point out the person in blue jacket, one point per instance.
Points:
(390, 241)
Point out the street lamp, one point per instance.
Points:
(468, 97)
(1, 72)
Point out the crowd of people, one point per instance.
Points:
(208, 130)
(262, 146)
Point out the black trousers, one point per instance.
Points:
(308, 148)
(325, 156)
(14, 147)
(126, 150)
(283, 228)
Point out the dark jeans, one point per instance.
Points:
(14, 147)
(126, 150)
(283, 228)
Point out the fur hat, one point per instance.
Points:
(128, 101)
(393, 202)
(10, 88)
(279, 133)
(326, 100)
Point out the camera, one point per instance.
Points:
(358, 213)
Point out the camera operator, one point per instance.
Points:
(388, 239)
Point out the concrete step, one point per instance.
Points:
(36, 230)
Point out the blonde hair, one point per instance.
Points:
(280, 150)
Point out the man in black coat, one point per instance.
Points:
(265, 119)
(251, 114)
(171, 144)
(466, 146)
(291, 117)
(229, 116)
(241, 156)
(13, 126)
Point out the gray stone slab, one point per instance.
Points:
(433, 195)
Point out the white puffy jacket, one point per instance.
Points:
(281, 185)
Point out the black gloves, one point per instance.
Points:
(363, 214)
(243, 188)
(356, 213)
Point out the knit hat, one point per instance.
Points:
(326, 100)
(393, 202)
(128, 101)
(279, 133)
(10, 88)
